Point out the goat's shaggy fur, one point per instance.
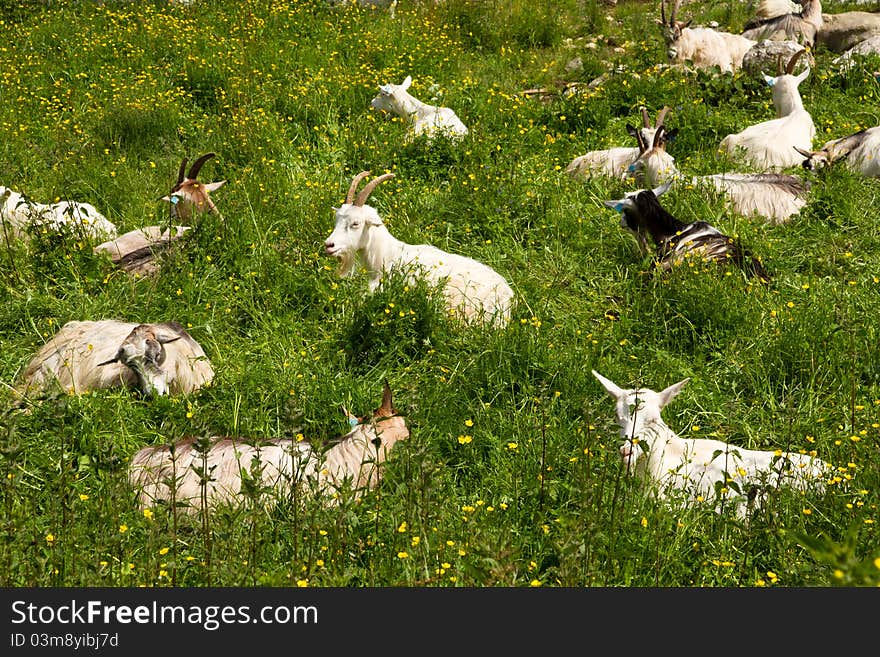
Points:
(675, 241)
(421, 118)
(472, 290)
(775, 197)
(136, 251)
(860, 152)
(691, 470)
(801, 26)
(770, 145)
(18, 215)
(283, 467)
(158, 359)
(704, 47)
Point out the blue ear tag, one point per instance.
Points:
(353, 422)
(631, 168)
(175, 200)
(618, 207)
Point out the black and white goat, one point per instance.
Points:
(860, 151)
(676, 241)
(189, 478)
(775, 197)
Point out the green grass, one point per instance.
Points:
(511, 475)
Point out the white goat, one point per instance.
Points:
(472, 290)
(18, 215)
(614, 162)
(701, 469)
(773, 196)
(702, 46)
(421, 118)
(775, 21)
(158, 359)
(771, 144)
(860, 151)
(188, 196)
(136, 250)
(675, 241)
(282, 466)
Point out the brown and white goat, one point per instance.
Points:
(704, 47)
(283, 467)
(158, 359)
(189, 196)
(676, 241)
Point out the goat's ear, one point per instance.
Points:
(115, 359)
(408, 81)
(662, 189)
(213, 186)
(617, 206)
(353, 421)
(681, 25)
(803, 75)
(613, 389)
(671, 392)
(769, 80)
(165, 338)
(670, 135)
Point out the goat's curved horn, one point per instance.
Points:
(674, 13)
(661, 115)
(370, 186)
(181, 173)
(658, 136)
(663, 11)
(353, 187)
(387, 407)
(779, 68)
(789, 68)
(646, 120)
(197, 165)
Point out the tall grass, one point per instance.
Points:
(510, 476)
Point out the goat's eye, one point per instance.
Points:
(354, 224)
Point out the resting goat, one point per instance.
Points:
(773, 196)
(860, 151)
(283, 467)
(471, 289)
(158, 359)
(18, 215)
(188, 196)
(614, 162)
(775, 21)
(692, 470)
(771, 144)
(676, 241)
(421, 118)
(702, 46)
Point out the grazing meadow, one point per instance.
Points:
(511, 475)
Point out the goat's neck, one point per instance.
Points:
(380, 252)
(788, 103)
(411, 108)
(664, 227)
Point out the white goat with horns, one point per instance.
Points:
(773, 196)
(421, 118)
(158, 359)
(19, 214)
(283, 467)
(682, 470)
(860, 152)
(614, 162)
(702, 46)
(472, 290)
(771, 144)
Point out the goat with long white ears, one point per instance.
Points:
(689, 470)
(675, 241)
(860, 152)
(770, 145)
(704, 47)
(282, 466)
(421, 118)
(614, 162)
(773, 196)
(471, 289)
(158, 359)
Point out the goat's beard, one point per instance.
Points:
(346, 260)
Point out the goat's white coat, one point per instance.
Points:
(770, 145)
(355, 461)
(72, 359)
(17, 214)
(692, 469)
(471, 289)
(704, 47)
(421, 118)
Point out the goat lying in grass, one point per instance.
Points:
(421, 118)
(676, 241)
(18, 215)
(472, 290)
(704, 47)
(773, 196)
(860, 152)
(137, 251)
(158, 359)
(775, 21)
(698, 469)
(614, 162)
(178, 473)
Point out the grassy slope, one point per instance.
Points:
(510, 476)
